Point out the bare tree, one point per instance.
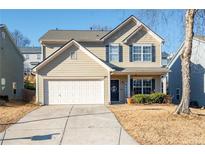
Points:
(190, 21)
(20, 39)
(185, 63)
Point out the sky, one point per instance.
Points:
(34, 23)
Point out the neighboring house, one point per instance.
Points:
(97, 67)
(165, 58)
(11, 66)
(32, 56)
(197, 73)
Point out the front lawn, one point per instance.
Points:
(156, 124)
(11, 112)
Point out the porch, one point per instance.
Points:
(124, 84)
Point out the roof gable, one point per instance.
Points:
(66, 46)
(179, 52)
(140, 25)
(5, 29)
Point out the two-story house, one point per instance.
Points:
(97, 67)
(32, 56)
(11, 66)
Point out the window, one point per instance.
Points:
(147, 53)
(114, 52)
(72, 55)
(136, 53)
(147, 86)
(14, 87)
(137, 86)
(177, 93)
(38, 56)
(141, 52)
(142, 86)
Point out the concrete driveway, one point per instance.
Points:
(67, 124)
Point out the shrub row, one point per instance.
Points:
(150, 98)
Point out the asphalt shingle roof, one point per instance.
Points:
(78, 35)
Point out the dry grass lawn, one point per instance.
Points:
(155, 124)
(11, 112)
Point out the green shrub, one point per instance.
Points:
(157, 98)
(29, 86)
(141, 98)
(149, 98)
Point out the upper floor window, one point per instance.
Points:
(142, 52)
(114, 52)
(38, 56)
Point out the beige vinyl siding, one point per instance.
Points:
(11, 68)
(49, 49)
(99, 49)
(141, 37)
(84, 67)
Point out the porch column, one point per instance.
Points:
(128, 85)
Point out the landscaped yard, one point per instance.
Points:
(11, 112)
(156, 124)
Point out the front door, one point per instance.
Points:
(114, 88)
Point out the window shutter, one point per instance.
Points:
(107, 53)
(153, 85)
(130, 53)
(120, 54)
(131, 87)
(153, 54)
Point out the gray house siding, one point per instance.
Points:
(11, 67)
(175, 80)
(197, 74)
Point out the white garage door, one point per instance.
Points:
(74, 92)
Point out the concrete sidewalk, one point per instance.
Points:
(67, 124)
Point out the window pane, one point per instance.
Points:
(114, 53)
(147, 86)
(147, 90)
(136, 53)
(137, 49)
(147, 83)
(147, 53)
(137, 90)
(137, 86)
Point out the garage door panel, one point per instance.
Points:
(74, 92)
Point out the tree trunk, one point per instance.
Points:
(185, 63)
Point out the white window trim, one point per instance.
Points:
(114, 44)
(141, 45)
(142, 87)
